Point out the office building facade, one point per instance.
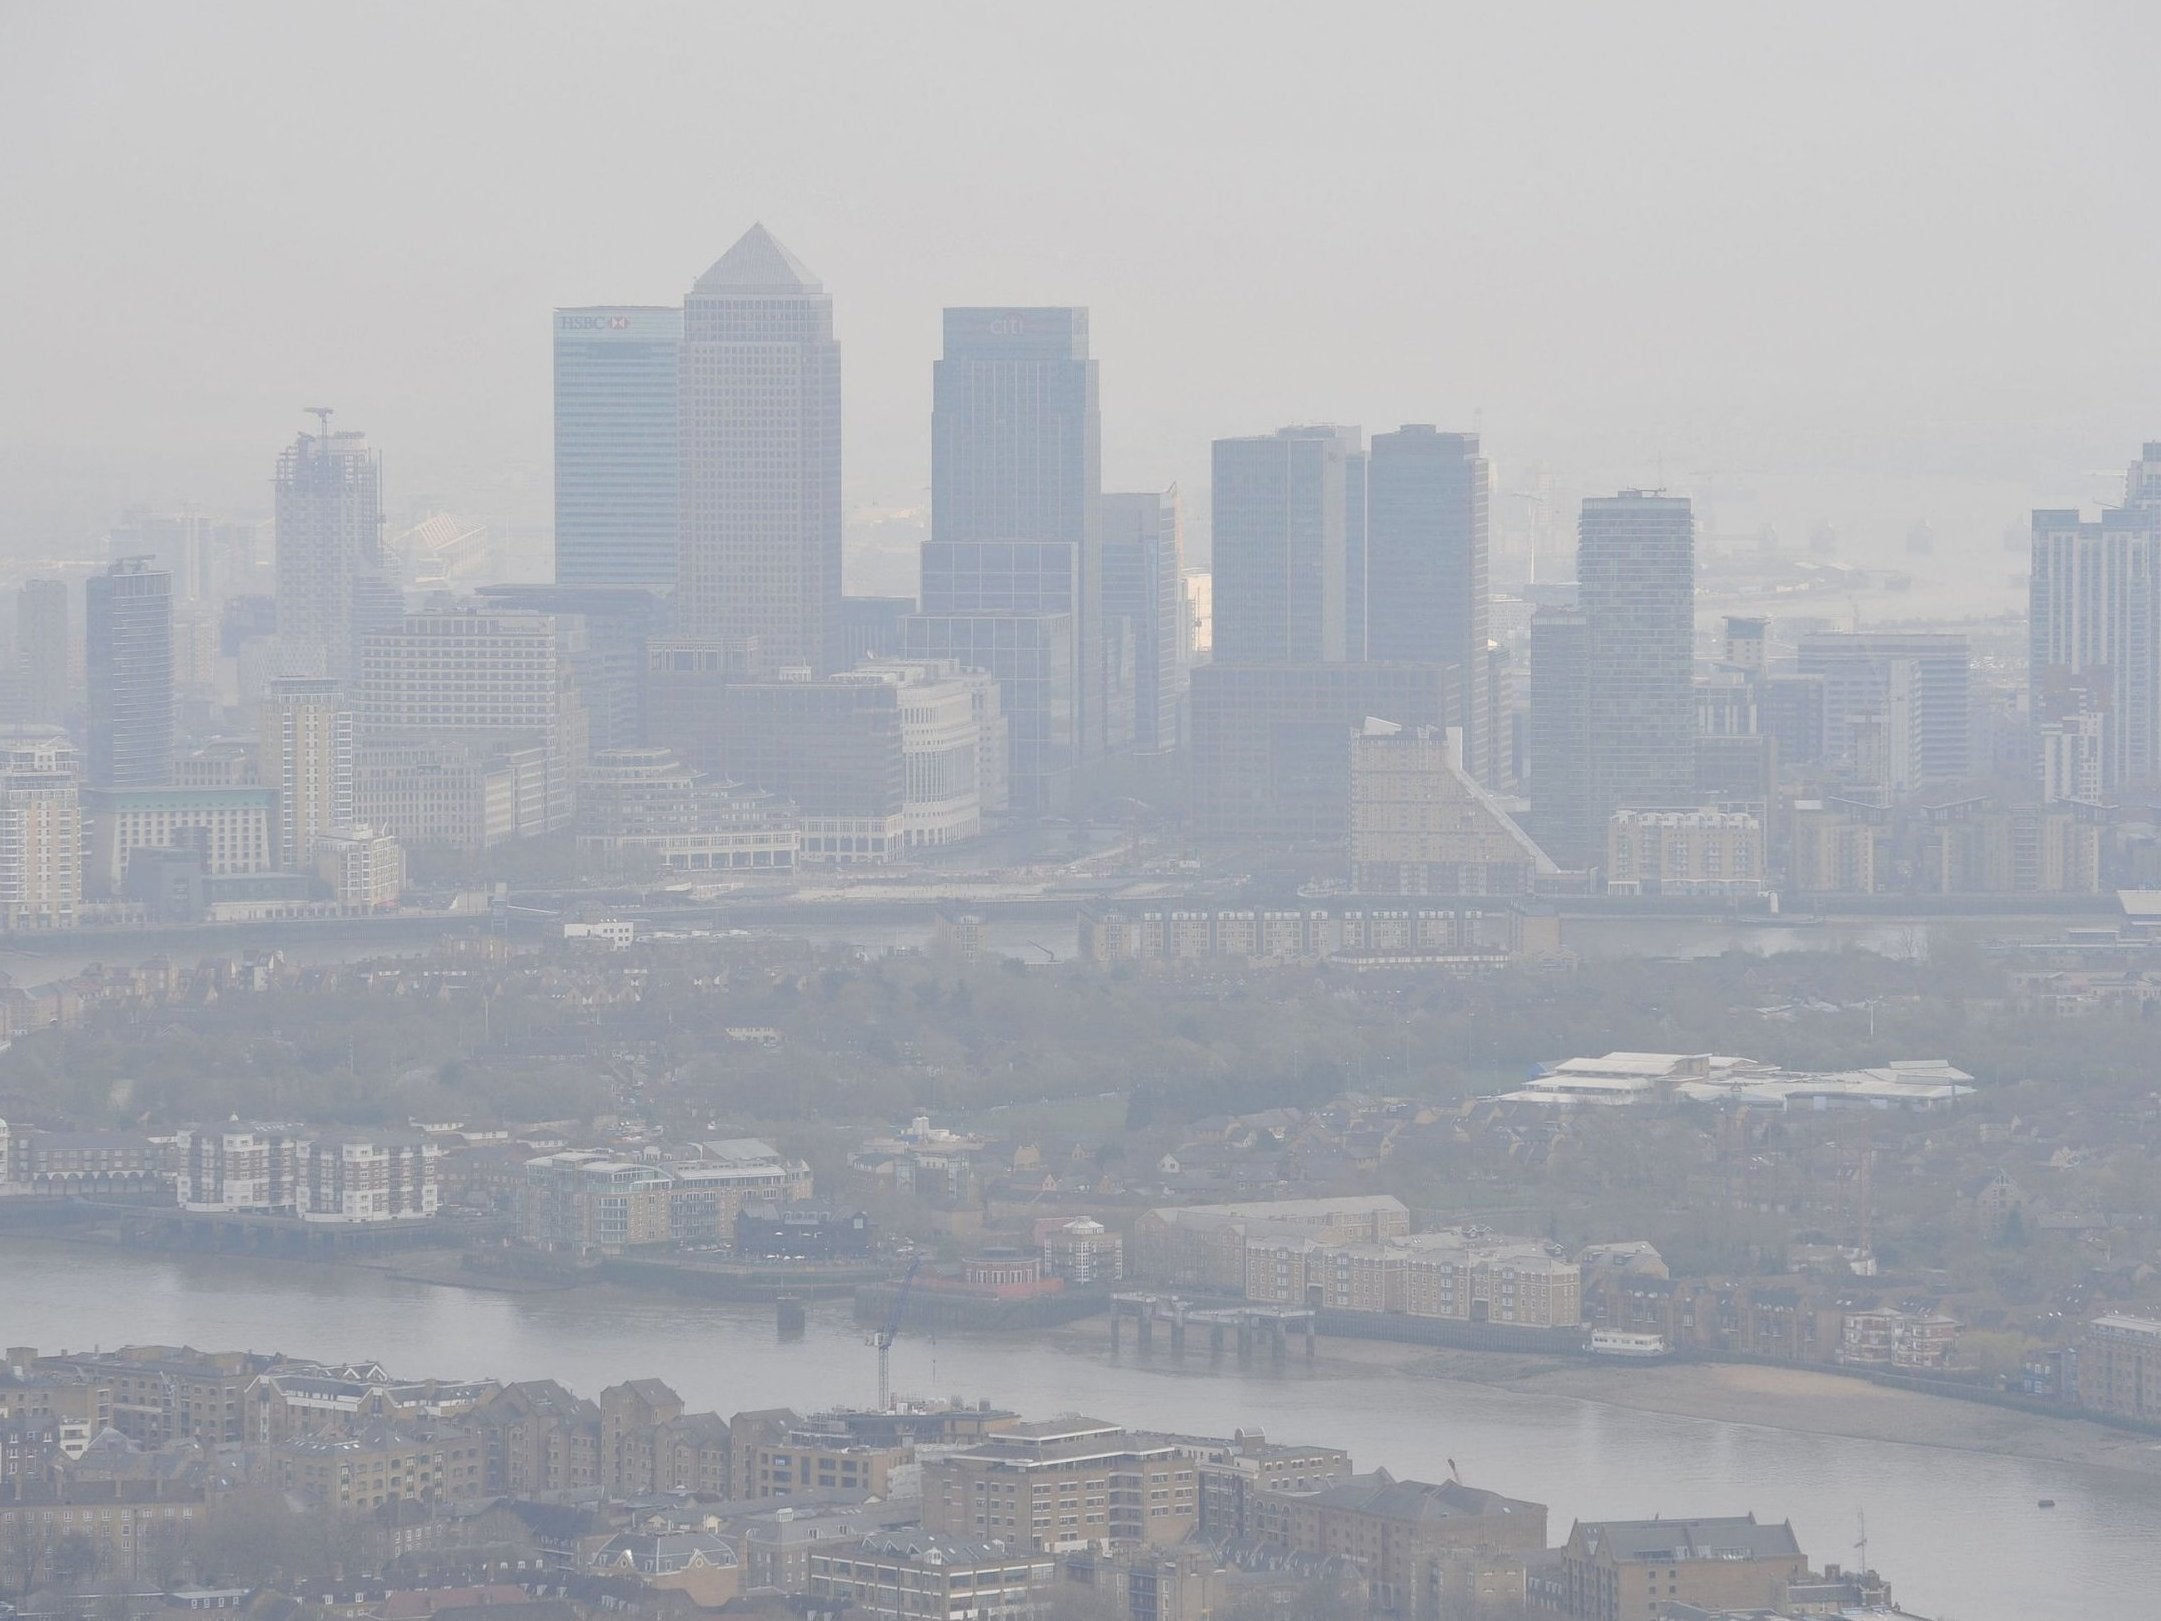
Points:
(1636, 575)
(128, 665)
(1272, 742)
(480, 682)
(1557, 754)
(617, 402)
(1281, 507)
(1144, 592)
(43, 652)
(1031, 657)
(759, 558)
(1016, 455)
(1425, 566)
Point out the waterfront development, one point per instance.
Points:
(1951, 1512)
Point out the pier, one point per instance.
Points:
(1251, 1328)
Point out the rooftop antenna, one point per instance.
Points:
(1861, 1546)
(321, 413)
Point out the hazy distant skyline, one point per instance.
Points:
(1848, 264)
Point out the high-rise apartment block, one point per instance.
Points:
(333, 581)
(1422, 825)
(362, 867)
(1894, 705)
(306, 743)
(1282, 504)
(128, 660)
(759, 558)
(1144, 592)
(1636, 577)
(43, 652)
(41, 833)
(2094, 626)
(1425, 566)
(1016, 455)
(617, 405)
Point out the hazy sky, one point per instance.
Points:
(1862, 263)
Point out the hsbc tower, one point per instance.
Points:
(616, 370)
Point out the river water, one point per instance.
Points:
(1957, 1531)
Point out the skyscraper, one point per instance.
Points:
(1425, 565)
(306, 754)
(2094, 627)
(1281, 515)
(1144, 587)
(1564, 820)
(42, 651)
(759, 509)
(1636, 577)
(1016, 455)
(333, 581)
(617, 405)
(128, 659)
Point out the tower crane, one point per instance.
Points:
(883, 1339)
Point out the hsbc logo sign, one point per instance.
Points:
(592, 323)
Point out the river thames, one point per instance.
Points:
(1957, 1531)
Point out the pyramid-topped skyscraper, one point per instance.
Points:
(760, 514)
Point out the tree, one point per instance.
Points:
(75, 1559)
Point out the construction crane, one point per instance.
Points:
(883, 1339)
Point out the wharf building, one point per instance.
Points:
(1064, 1485)
(2118, 1367)
(285, 1170)
(617, 408)
(1458, 1274)
(1685, 851)
(1421, 1548)
(759, 515)
(1609, 1570)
